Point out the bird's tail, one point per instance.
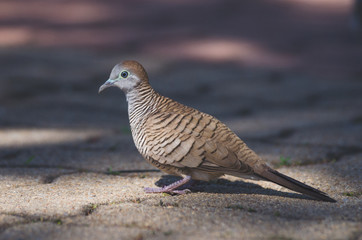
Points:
(288, 182)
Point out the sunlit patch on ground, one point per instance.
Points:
(12, 138)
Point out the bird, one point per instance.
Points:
(185, 142)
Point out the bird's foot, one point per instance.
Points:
(172, 188)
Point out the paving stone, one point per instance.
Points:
(95, 153)
(285, 154)
(69, 194)
(8, 220)
(284, 123)
(75, 191)
(47, 230)
(346, 135)
(12, 178)
(178, 221)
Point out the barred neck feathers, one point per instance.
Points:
(141, 100)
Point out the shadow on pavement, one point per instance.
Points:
(225, 186)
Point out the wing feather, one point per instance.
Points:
(193, 140)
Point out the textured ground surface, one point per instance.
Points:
(292, 91)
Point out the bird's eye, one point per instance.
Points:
(123, 74)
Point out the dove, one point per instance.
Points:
(183, 141)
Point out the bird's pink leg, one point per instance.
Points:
(171, 188)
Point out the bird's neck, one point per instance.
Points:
(140, 101)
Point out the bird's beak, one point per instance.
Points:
(107, 84)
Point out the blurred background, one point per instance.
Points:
(266, 68)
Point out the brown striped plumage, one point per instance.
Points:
(182, 141)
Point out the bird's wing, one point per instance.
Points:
(195, 140)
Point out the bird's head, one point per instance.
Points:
(126, 76)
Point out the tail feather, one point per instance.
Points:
(292, 184)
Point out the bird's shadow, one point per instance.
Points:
(225, 186)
